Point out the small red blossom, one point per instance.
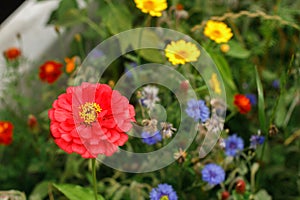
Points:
(12, 53)
(6, 132)
(243, 103)
(50, 71)
(91, 119)
(179, 7)
(240, 186)
(225, 195)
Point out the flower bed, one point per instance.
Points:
(157, 99)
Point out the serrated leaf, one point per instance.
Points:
(237, 51)
(76, 192)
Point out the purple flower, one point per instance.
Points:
(163, 192)
(252, 98)
(197, 110)
(151, 139)
(233, 144)
(256, 140)
(276, 84)
(213, 174)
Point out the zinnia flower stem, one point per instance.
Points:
(94, 178)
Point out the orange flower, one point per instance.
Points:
(6, 132)
(70, 64)
(243, 103)
(12, 53)
(50, 71)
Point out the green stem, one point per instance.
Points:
(94, 178)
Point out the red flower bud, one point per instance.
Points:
(240, 186)
(225, 195)
(32, 122)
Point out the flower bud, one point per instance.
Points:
(225, 195)
(240, 186)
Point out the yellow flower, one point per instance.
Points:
(153, 7)
(180, 52)
(217, 31)
(215, 84)
(70, 64)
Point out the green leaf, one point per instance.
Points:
(262, 195)
(117, 18)
(40, 191)
(237, 51)
(62, 12)
(261, 103)
(226, 74)
(71, 17)
(152, 55)
(76, 192)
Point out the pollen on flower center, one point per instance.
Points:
(217, 33)
(165, 197)
(89, 112)
(181, 55)
(149, 5)
(49, 68)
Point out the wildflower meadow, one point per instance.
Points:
(155, 99)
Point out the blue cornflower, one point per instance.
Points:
(151, 139)
(252, 98)
(256, 140)
(163, 192)
(276, 84)
(197, 110)
(213, 174)
(233, 144)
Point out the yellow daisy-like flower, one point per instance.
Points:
(153, 7)
(180, 52)
(217, 31)
(215, 84)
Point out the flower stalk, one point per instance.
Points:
(94, 178)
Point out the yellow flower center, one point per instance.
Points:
(149, 5)
(217, 33)
(89, 112)
(181, 55)
(165, 197)
(49, 68)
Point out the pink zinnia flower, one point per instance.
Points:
(91, 119)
